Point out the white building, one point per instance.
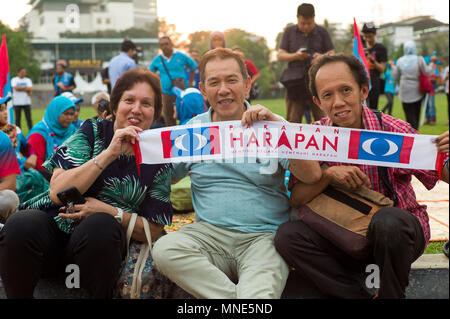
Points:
(415, 29)
(48, 18)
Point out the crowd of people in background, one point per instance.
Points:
(95, 156)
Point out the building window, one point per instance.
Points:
(108, 21)
(99, 20)
(60, 20)
(42, 20)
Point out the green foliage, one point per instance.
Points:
(438, 42)
(254, 46)
(20, 52)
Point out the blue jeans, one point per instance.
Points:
(430, 112)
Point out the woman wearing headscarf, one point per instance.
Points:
(217, 40)
(407, 70)
(24, 153)
(53, 129)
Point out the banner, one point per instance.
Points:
(230, 141)
(5, 78)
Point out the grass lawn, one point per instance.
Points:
(278, 106)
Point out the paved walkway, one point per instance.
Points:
(437, 207)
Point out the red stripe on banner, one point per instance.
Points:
(214, 139)
(405, 152)
(353, 148)
(137, 155)
(166, 144)
(439, 163)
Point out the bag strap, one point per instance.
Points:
(165, 68)
(145, 251)
(382, 171)
(130, 229)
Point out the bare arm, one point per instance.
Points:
(8, 182)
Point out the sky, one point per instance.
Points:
(266, 17)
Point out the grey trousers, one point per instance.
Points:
(214, 262)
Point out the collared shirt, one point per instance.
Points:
(118, 65)
(317, 41)
(400, 178)
(176, 66)
(244, 194)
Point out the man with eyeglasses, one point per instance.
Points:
(376, 55)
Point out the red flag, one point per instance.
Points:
(5, 79)
(358, 49)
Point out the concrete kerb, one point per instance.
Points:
(429, 279)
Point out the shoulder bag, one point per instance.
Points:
(139, 278)
(343, 216)
(425, 85)
(177, 82)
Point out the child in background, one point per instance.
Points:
(188, 104)
(77, 101)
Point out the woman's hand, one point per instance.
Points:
(122, 141)
(92, 205)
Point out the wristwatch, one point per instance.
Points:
(119, 215)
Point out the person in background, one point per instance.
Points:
(9, 169)
(189, 103)
(105, 79)
(389, 90)
(122, 62)
(138, 56)
(53, 129)
(376, 55)
(217, 40)
(301, 46)
(25, 154)
(63, 81)
(445, 78)
(407, 73)
(252, 72)
(171, 65)
(22, 90)
(195, 55)
(77, 101)
(430, 108)
(102, 108)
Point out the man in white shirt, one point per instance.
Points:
(22, 89)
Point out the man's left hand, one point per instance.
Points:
(442, 142)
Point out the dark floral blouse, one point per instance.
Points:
(119, 185)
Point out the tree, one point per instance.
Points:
(438, 43)
(170, 31)
(20, 52)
